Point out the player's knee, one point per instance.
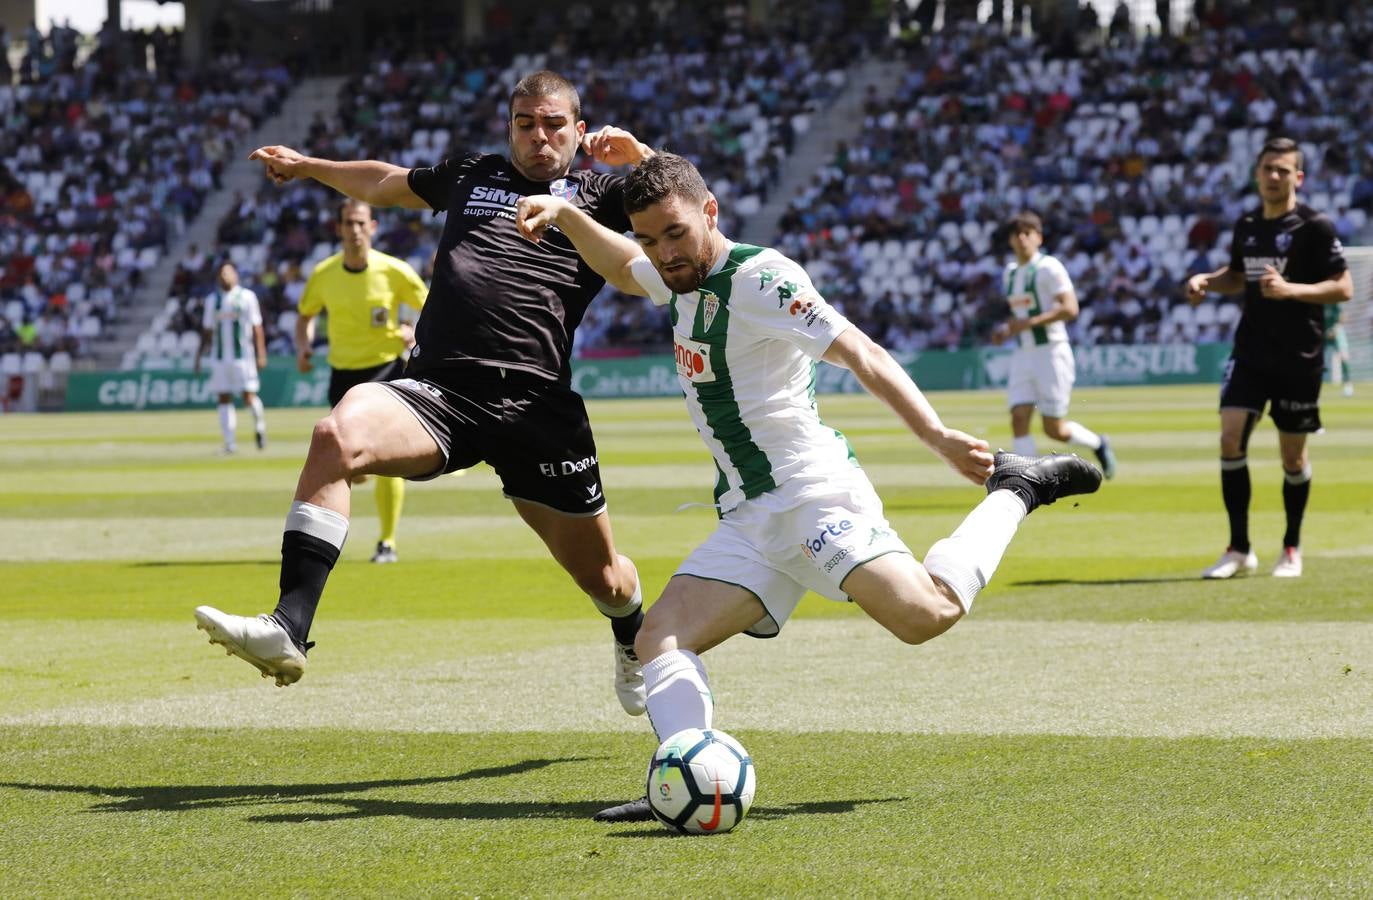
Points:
(927, 616)
(331, 443)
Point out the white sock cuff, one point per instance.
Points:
(629, 609)
(318, 522)
(1301, 477)
(1023, 446)
(967, 559)
(1230, 465)
(670, 663)
(1077, 434)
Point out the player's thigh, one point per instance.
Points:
(696, 614)
(1020, 380)
(901, 596)
(1055, 374)
(382, 435)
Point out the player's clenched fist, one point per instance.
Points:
(281, 163)
(968, 456)
(534, 214)
(1196, 288)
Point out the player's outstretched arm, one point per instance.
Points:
(882, 377)
(371, 181)
(1223, 281)
(611, 255)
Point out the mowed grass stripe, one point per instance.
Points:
(1144, 679)
(153, 812)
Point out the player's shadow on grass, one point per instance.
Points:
(191, 798)
(1059, 582)
(789, 811)
(177, 563)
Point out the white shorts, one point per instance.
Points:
(1043, 376)
(233, 376)
(809, 534)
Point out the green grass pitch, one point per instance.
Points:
(1104, 723)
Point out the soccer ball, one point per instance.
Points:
(700, 782)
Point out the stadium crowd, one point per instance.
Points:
(732, 96)
(108, 150)
(1134, 152)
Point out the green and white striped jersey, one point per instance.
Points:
(746, 343)
(1031, 289)
(230, 317)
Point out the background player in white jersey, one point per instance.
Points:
(797, 513)
(231, 330)
(1042, 298)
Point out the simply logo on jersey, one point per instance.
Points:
(1254, 266)
(491, 201)
(564, 189)
(710, 305)
(693, 360)
(566, 467)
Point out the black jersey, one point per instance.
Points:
(1284, 335)
(497, 299)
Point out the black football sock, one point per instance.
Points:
(1235, 490)
(625, 620)
(1296, 490)
(309, 548)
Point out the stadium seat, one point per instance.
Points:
(11, 364)
(146, 343)
(32, 363)
(188, 342)
(168, 342)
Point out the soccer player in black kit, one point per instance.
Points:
(1288, 262)
(488, 379)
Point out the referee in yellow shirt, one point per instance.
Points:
(362, 290)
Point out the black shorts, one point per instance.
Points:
(532, 431)
(1295, 395)
(341, 380)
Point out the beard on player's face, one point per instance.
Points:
(689, 267)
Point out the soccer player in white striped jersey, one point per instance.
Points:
(1042, 299)
(231, 330)
(797, 513)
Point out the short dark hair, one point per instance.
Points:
(658, 177)
(1280, 145)
(547, 84)
(351, 203)
(1024, 221)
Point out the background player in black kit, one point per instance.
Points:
(1286, 259)
(488, 379)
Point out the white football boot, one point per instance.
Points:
(1232, 563)
(629, 680)
(259, 639)
(1289, 563)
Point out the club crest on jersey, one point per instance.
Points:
(710, 305)
(1282, 241)
(564, 189)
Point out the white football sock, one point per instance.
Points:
(259, 421)
(317, 521)
(228, 422)
(967, 559)
(1083, 436)
(1024, 446)
(629, 609)
(678, 694)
